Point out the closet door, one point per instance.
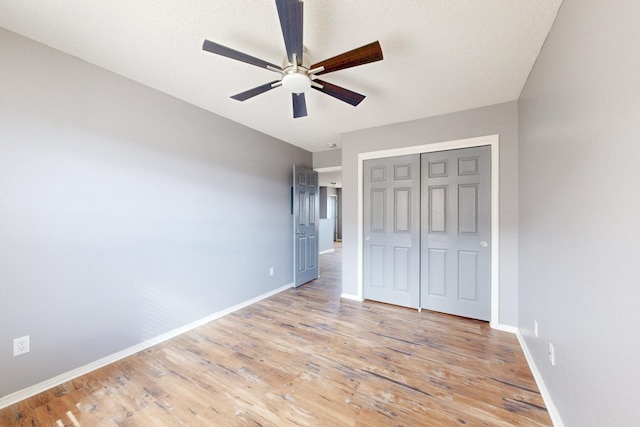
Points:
(391, 261)
(456, 232)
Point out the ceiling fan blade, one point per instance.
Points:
(218, 49)
(255, 91)
(340, 93)
(362, 55)
(299, 105)
(290, 13)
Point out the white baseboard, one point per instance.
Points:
(353, 297)
(327, 251)
(505, 328)
(75, 373)
(551, 408)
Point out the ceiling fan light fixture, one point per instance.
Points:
(296, 82)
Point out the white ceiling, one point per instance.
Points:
(440, 56)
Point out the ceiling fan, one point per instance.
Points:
(296, 76)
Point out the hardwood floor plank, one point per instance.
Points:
(304, 357)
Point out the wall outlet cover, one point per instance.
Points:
(21, 345)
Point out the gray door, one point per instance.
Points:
(306, 213)
(392, 230)
(456, 232)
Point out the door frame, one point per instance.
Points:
(491, 140)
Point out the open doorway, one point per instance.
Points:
(330, 209)
(333, 214)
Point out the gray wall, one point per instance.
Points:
(323, 202)
(579, 134)
(325, 193)
(497, 119)
(325, 235)
(326, 159)
(124, 213)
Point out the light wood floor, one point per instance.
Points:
(307, 358)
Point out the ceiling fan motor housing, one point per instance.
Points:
(296, 80)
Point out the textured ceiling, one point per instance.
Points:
(441, 56)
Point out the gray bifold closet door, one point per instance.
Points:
(427, 231)
(391, 257)
(456, 232)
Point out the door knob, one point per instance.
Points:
(484, 244)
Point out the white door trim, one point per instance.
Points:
(491, 140)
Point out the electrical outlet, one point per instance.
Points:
(552, 355)
(270, 271)
(21, 345)
(535, 328)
